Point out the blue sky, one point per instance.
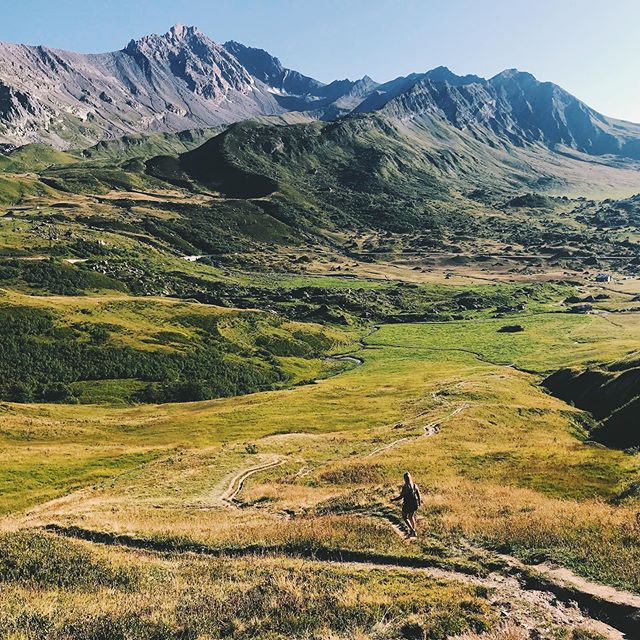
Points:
(590, 47)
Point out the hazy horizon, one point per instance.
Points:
(588, 50)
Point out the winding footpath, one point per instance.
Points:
(429, 430)
(236, 483)
(516, 591)
(524, 593)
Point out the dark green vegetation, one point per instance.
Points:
(201, 354)
(53, 277)
(344, 302)
(367, 172)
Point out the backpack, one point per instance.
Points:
(412, 500)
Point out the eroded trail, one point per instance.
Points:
(430, 429)
(226, 492)
(521, 596)
(236, 483)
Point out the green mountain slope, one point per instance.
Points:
(148, 145)
(404, 177)
(119, 348)
(34, 158)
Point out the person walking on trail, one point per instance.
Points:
(411, 500)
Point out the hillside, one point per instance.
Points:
(611, 393)
(120, 349)
(427, 148)
(375, 172)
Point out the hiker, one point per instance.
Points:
(411, 500)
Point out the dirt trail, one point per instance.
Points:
(429, 430)
(225, 493)
(236, 483)
(565, 576)
(559, 575)
(516, 596)
(607, 603)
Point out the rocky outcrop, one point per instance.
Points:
(176, 81)
(611, 393)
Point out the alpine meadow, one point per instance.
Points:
(238, 305)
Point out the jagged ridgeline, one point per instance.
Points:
(183, 80)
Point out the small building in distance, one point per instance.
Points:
(603, 277)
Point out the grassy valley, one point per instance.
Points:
(220, 351)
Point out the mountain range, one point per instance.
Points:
(184, 80)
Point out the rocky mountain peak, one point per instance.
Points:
(444, 74)
(207, 67)
(181, 32)
(514, 76)
(178, 38)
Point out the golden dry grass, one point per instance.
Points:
(508, 471)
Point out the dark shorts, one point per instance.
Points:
(407, 512)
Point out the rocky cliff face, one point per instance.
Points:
(268, 69)
(511, 108)
(296, 92)
(176, 81)
(183, 80)
(171, 82)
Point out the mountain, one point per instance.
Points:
(176, 81)
(183, 80)
(370, 171)
(168, 83)
(297, 92)
(268, 69)
(511, 108)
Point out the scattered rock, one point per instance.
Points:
(511, 328)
